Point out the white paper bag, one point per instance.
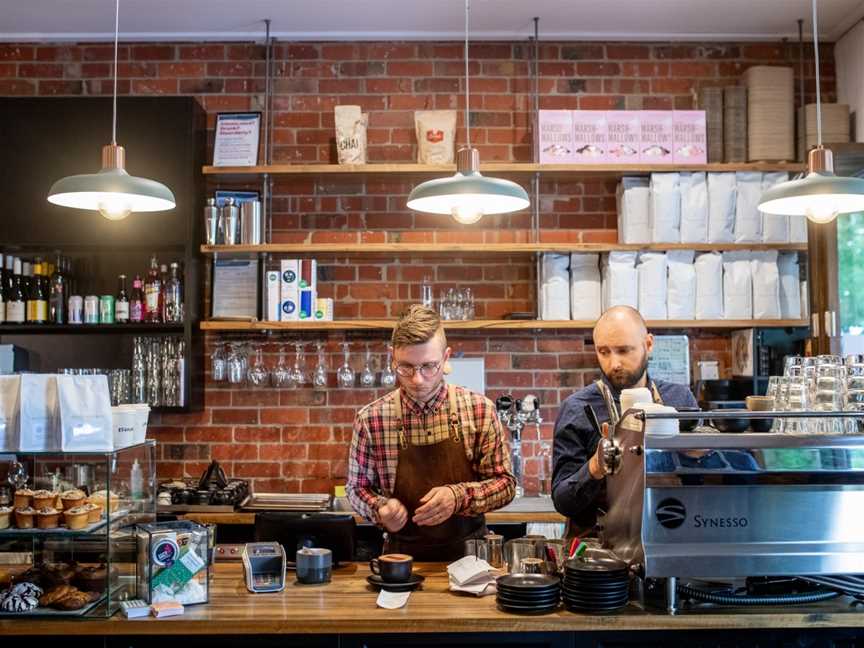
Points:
(40, 413)
(721, 207)
(585, 287)
(681, 285)
(652, 285)
(85, 413)
(797, 229)
(633, 198)
(709, 286)
(694, 208)
(555, 287)
(766, 285)
(775, 227)
(737, 286)
(665, 212)
(790, 285)
(748, 220)
(620, 280)
(10, 390)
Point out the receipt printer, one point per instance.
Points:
(264, 567)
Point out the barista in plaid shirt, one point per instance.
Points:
(428, 459)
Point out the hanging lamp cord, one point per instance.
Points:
(467, 94)
(818, 86)
(116, 36)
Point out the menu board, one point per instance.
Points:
(670, 359)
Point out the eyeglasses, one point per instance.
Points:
(427, 369)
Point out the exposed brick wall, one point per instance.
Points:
(296, 440)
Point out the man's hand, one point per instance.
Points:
(437, 507)
(393, 515)
(596, 465)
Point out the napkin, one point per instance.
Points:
(392, 600)
(472, 575)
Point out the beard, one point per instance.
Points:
(623, 379)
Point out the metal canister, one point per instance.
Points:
(91, 309)
(76, 309)
(211, 222)
(229, 222)
(106, 309)
(251, 222)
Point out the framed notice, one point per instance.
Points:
(237, 137)
(670, 359)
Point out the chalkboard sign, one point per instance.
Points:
(670, 359)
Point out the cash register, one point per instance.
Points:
(264, 567)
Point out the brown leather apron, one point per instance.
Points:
(421, 468)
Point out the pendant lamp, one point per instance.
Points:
(820, 195)
(468, 195)
(112, 191)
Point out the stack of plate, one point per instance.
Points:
(597, 585)
(770, 113)
(528, 593)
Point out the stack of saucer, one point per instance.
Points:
(595, 585)
(528, 593)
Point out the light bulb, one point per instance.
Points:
(466, 214)
(114, 208)
(821, 211)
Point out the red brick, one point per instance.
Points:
(15, 87)
(235, 416)
(231, 69)
(339, 52)
(284, 415)
(153, 52)
(243, 469)
(104, 53)
(282, 452)
(7, 70)
(258, 434)
(409, 69)
(182, 69)
(13, 52)
(154, 86)
(205, 434)
(598, 69)
(61, 87)
(672, 86)
(306, 469)
(58, 53)
(202, 52)
(692, 69)
(234, 452)
(297, 51)
(327, 451)
(40, 70)
(618, 51)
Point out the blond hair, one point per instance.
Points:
(417, 325)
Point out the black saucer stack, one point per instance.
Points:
(596, 585)
(528, 593)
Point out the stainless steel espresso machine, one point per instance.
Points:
(698, 515)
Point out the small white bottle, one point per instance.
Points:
(136, 481)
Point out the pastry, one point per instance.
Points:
(104, 498)
(57, 573)
(5, 517)
(22, 597)
(91, 578)
(44, 498)
(72, 498)
(47, 517)
(94, 512)
(24, 517)
(55, 594)
(23, 498)
(75, 600)
(76, 517)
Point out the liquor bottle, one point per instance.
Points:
(121, 304)
(152, 289)
(3, 287)
(136, 302)
(15, 305)
(163, 283)
(173, 296)
(9, 278)
(39, 294)
(26, 276)
(31, 292)
(58, 294)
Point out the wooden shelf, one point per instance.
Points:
(481, 248)
(494, 167)
(352, 325)
(59, 329)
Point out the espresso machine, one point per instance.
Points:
(712, 518)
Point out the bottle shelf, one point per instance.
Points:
(132, 328)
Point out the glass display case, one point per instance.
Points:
(67, 536)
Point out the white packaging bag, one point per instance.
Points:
(585, 286)
(694, 207)
(790, 285)
(775, 227)
(709, 286)
(555, 287)
(665, 212)
(766, 285)
(748, 220)
(797, 229)
(737, 286)
(40, 413)
(85, 414)
(633, 198)
(681, 285)
(10, 399)
(652, 285)
(620, 280)
(721, 207)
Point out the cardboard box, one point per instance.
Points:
(272, 296)
(624, 135)
(289, 290)
(324, 309)
(556, 137)
(589, 136)
(690, 137)
(657, 140)
(307, 304)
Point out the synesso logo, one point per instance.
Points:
(671, 513)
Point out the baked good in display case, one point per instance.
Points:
(47, 517)
(43, 499)
(23, 498)
(24, 517)
(72, 498)
(22, 597)
(5, 517)
(76, 518)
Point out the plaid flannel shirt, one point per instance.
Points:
(374, 451)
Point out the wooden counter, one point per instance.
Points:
(347, 606)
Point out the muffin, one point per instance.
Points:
(76, 517)
(72, 498)
(24, 517)
(94, 512)
(23, 498)
(5, 517)
(47, 517)
(44, 499)
(104, 499)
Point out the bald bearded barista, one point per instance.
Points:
(623, 345)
